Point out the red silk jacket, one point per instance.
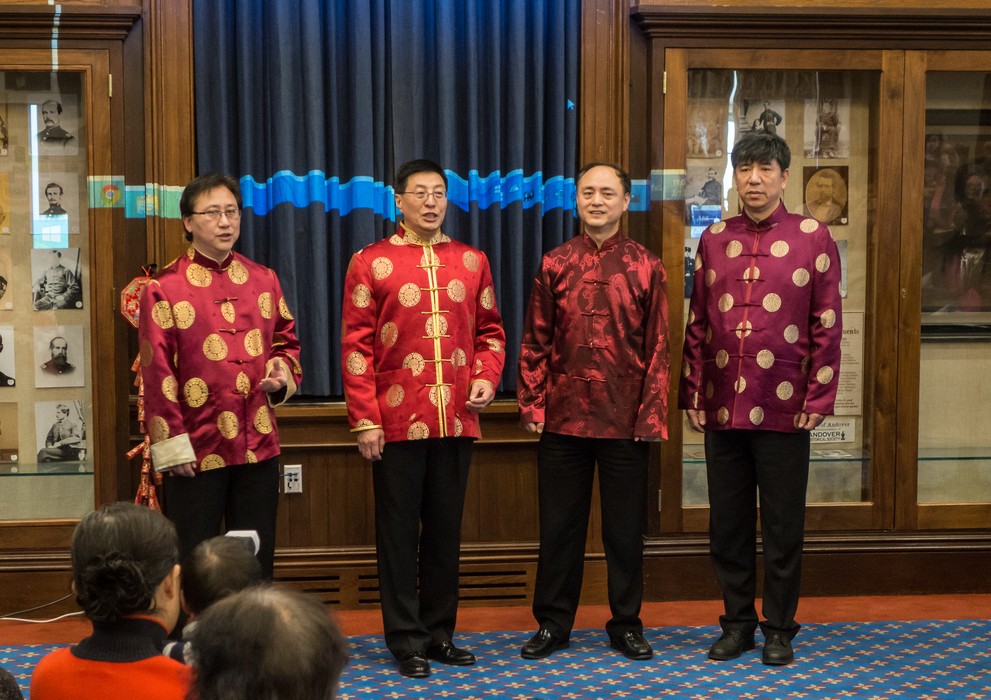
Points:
(420, 326)
(594, 358)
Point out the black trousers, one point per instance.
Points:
(566, 468)
(239, 496)
(419, 499)
(740, 464)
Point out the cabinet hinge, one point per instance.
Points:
(110, 85)
(664, 83)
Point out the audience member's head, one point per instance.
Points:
(125, 561)
(9, 689)
(216, 568)
(267, 642)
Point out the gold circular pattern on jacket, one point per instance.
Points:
(237, 272)
(494, 346)
(432, 395)
(409, 295)
(211, 462)
(170, 388)
(718, 227)
(395, 395)
(265, 304)
(785, 391)
(772, 302)
(198, 275)
(698, 261)
(214, 347)
(414, 363)
(381, 268)
(757, 415)
(725, 302)
(722, 415)
(710, 277)
(158, 429)
(364, 423)
(243, 384)
(389, 334)
(791, 333)
(284, 310)
(800, 277)
(708, 334)
(250, 457)
(779, 249)
(722, 359)
(734, 249)
(828, 318)
(396, 239)
(263, 421)
(744, 329)
(253, 342)
(418, 431)
(458, 427)
(478, 366)
(470, 259)
(356, 363)
(751, 273)
(824, 375)
(161, 314)
(456, 290)
(361, 296)
(227, 424)
(184, 314)
(441, 327)
(227, 311)
(740, 385)
(822, 262)
(458, 358)
(487, 298)
(196, 392)
(710, 390)
(691, 317)
(686, 369)
(765, 358)
(809, 225)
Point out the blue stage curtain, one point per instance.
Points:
(313, 104)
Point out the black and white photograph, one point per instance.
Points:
(827, 128)
(7, 364)
(827, 194)
(760, 114)
(706, 129)
(61, 433)
(55, 209)
(56, 279)
(56, 118)
(58, 356)
(703, 197)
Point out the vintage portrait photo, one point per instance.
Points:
(56, 118)
(58, 356)
(7, 378)
(706, 128)
(55, 209)
(8, 437)
(760, 114)
(60, 432)
(703, 197)
(6, 279)
(56, 279)
(826, 128)
(827, 194)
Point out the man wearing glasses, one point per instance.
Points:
(422, 351)
(218, 351)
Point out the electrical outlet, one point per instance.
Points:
(292, 478)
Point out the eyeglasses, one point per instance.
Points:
(421, 195)
(215, 214)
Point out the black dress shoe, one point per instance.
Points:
(633, 645)
(543, 644)
(447, 653)
(777, 650)
(414, 665)
(731, 644)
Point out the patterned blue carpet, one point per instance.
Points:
(931, 659)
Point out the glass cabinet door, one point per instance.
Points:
(830, 116)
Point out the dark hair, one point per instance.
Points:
(58, 105)
(200, 185)
(9, 689)
(412, 167)
(54, 184)
(120, 554)
(763, 148)
(267, 642)
(623, 176)
(217, 567)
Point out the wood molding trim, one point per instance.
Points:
(604, 122)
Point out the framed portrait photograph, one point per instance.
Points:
(826, 130)
(758, 113)
(827, 194)
(59, 356)
(56, 279)
(55, 119)
(60, 430)
(54, 209)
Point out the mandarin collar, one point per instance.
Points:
(208, 262)
(611, 242)
(413, 238)
(776, 217)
